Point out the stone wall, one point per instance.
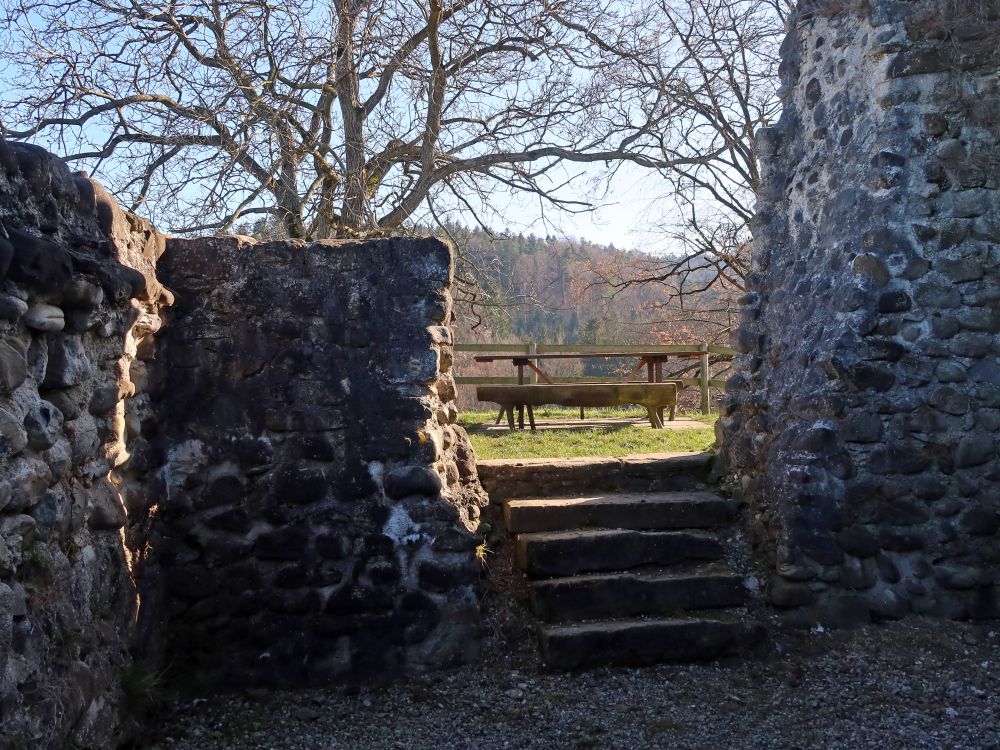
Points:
(271, 490)
(862, 425)
(317, 498)
(78, 296)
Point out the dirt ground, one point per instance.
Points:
(915, 683)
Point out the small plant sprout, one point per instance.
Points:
(482, 550)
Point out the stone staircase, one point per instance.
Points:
(632, 577)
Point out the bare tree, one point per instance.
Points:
(334, 117)
(721, 76)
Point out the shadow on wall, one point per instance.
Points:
(318, 498)
(79, 300)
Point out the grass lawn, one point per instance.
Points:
(613, 440)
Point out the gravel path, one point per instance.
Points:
(911, 684)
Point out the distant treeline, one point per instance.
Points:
(551, 289)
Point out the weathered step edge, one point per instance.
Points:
(567, 553)
(548, 477)
(588, 597)
(643, 642)
(653, 511)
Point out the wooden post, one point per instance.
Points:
(706, 407)
(520, 407)
(530, 348)
(658, 378)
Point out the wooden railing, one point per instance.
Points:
(703, 382)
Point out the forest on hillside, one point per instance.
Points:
(518, 288)
(556, 290)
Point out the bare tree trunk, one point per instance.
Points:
(353, 215)
(287, 194)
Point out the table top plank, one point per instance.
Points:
(587, 355)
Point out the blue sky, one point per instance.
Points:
(629, 214)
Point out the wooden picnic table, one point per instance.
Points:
(652, 361)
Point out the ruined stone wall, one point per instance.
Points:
(273, 489)
(77, 297)
(317, 497)
(862, 427)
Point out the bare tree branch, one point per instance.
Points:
(343, 117)
(722, 81)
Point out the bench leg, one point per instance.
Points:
(581, 414)
(531, 417)
(654, 418)
(673, 411)
(500, 416)
(510, 417)
(520, 416)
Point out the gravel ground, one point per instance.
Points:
(917, 683)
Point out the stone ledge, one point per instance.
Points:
(546, 477)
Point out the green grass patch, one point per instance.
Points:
(614, 440)
(589, 441)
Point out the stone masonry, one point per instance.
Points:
(272, 489)
(316, 498)
(78, 299)
(862, 425)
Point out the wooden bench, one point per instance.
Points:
(654, 396)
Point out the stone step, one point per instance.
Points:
(586, 597)
(566, 553)
(504, 479)
(655, 510)
(641, 642)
